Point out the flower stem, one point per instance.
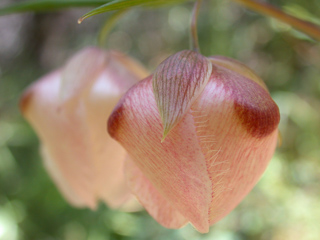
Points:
(108, 25)
(193, 27)
(266, 9)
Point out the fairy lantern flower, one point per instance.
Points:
(200, 132)
(68, 109)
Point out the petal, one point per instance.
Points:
(176, 167)
(177, 82)
(84, 68)
(254, 106)
(59, 179)
(62, 135)
(80, 71)
(107, 154)
(157, 206)
(107, 157)
(237, 67)
(236, 122)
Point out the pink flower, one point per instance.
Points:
(68, 109)
(200, 132)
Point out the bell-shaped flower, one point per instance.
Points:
(200, 133)
(68, 109)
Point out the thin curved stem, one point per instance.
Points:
(306, 27)
(193, 27)
(108, 25)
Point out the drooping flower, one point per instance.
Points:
(68, 109)
(200, 133)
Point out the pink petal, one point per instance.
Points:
(237, 67)
(107, 154)
(236, 122)
(62, 134)
(59, 179)
(80, 71)
(85, 163)
(176, 167)
(157, 206)
(177, 82)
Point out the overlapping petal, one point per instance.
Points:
(237, 67)
(177, 82)
(176, 167)
(236, 122)
(155, 203)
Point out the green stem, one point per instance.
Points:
(266, 9)
(108, 25)
(193, 27)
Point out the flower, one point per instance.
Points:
(68, 109)
(200, 133)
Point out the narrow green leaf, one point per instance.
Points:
(309, 28)
(123, 4)
(49, 5)
(108, 26)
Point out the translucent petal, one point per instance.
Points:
(80, 71)
(177, 82)
(176, 167)
(237, 144)
(62, 134)
(59, 179)
(157, 206)
(237, 67)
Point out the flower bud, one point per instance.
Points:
(68, 109)
(220, 129)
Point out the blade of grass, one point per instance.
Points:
(49, 5)
(306, 27)
(124, 4)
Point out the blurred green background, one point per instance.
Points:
(285, 204)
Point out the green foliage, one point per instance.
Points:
(104, 5)
(124, 4)
(49, 5)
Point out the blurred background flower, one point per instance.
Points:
(68, 109)
(285, 204)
